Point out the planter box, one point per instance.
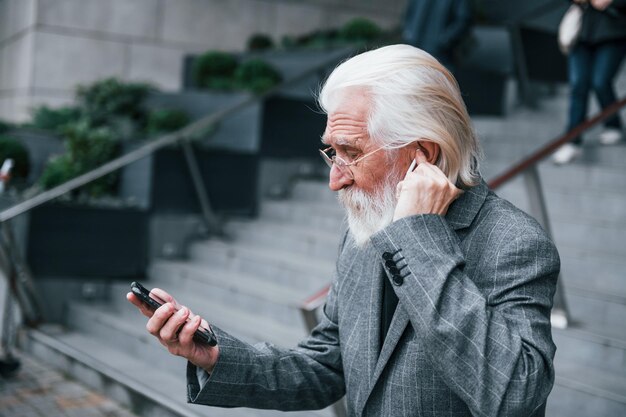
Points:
(163, 184)
(486, 72)
(291, 128)
(80, 241)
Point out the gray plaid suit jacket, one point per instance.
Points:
(470, 336)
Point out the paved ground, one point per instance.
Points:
(39, 391)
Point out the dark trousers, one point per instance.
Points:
(593, 67)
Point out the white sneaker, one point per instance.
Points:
(566, 153)
(610, 136)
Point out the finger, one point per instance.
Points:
(159, 318)
(169, 331)
(185, 336)
(163, 297)
(399, 188)
(132, 298)
(420, 157)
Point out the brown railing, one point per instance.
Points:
(527, 167)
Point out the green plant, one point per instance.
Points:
(47, 118)
(360, 30)
(166, 120)
(14, 149)
(215, 70)
(260, 42)
(106, 101)
(59, 169)
(257, 75)
(87, 147)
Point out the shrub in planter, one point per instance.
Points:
(15, 150)
(260, 42)
(360, 30)
(316, 39)
(257, 75)
(215, 70)
(46, 118)
(166, 120)
(87, 148)
(115, 104)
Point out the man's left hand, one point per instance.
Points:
(424, 190)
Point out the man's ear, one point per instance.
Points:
(430, 150)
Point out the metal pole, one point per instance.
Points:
(20, 278)
(560, 313)
(211, 222)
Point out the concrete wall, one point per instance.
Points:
(47, 47)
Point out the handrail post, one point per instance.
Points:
(560, 314)
(210, 220)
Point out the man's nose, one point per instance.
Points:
(338, 179)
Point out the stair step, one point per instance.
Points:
(569, 202)
(297, 271)
(585, 391)
(313, 191)
(593, 273)
(327, 216)
(597, 308)
(132, 382)
(601, 348)
(239, 290)
(295, 238)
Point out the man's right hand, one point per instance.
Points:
(164, 324)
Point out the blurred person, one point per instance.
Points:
(593, 64)
(438, 27)
(440, 301)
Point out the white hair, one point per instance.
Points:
(413, 97)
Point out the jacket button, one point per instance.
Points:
(394, 270)
(387, 256)
(397, 279)
(390, 264)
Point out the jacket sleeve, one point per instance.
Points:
(492, 345)
(309, 376)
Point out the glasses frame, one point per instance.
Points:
(344, 166)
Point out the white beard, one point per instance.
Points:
(369, 214)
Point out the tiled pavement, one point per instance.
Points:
(37, 390)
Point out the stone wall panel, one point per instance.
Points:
(15, 16)
(135, 18)
(63, 61)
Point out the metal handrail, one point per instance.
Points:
(554, 144)
(193, 130)
(17, 270)
(527, 166)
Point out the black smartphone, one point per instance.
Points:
(201, 335)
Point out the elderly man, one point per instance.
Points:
(441, 298)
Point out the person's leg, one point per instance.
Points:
(607, 59)
(579, 74)
(579, 65)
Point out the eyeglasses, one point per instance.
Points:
(330, 157)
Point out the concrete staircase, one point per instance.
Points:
(253, 283)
